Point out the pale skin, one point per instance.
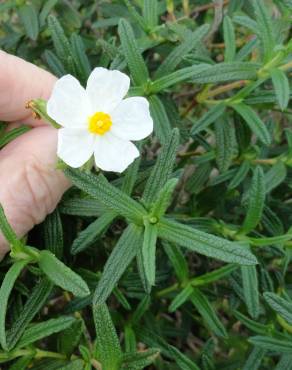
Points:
(30, 185)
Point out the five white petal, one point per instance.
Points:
(71, 105)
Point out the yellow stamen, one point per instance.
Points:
(99, 123)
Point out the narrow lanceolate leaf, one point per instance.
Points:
(162, 127)
(136, 64)
(203, 243)
(136, 16)
(176, 77)
(182, 361)
(29, 18)
(178, 53)
(61, 275)
(89, 235)
(162, 169)
(80, 58)
(209, 117)
(139, 360)
(53, 233)
(177, 260)
(181, 298)
(275, 176)
(149, 251)
(7, 230)
(265, 28)
(44, 329)
(213, 276)
(206, 310)
(285, 363)
(254, 360)
(229, 40)
(61, 43)
(254, 122)
(280, 305)
(256, 201)
(99, 188)
(281, 86)
(33, 305)
(13, 134)
(150, 13)
(107, 341)
(272, 344)
(254, 326)
(163, 200)
(250, 290)
(226, 145)
(120, 258)
(5, 290)
(240, 175)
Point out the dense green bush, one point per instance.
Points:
(186, 255)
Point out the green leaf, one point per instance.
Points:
(256, 201)
(13, 134)
(264, 28)
(177, 260)
(22, 363)
(139, 360)
(281, 86)
(107, 341)
(86, 207)
(53, 233)
(200, 301)
(163, 168)
(46, 9)
(54, 63)
(162, 127)
(285, 363)
(273, 240)
(250, 290)
(229, 40)
(254, 360)
(272, 344)
(181, 298)
(176, 77)
(80, 58)
(7, 231)
(29, 18)
(164, 198)
(240, 175)
(254, 326)
(44, 329)
(92, 233)
(213, 276)
(33, 305)
(69, 339)
(136, 64)
(141, 309)
(149, 251)
(99, 188)
(280, 305)
(136, 16)
(61, 43)
(183, 362)
(179, 52)
(122, 255)
(150, 13)
(197, 182)
(131, 176)
(254, 122)
(203, 243)
(61, 275)
(275, 176)
(5, 290)
(209, 117)
(226, 145)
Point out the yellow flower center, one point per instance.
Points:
(99, 123)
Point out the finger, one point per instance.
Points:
(31, 187)
(20, 82)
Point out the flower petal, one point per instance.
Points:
(114, 154)
(69, 104)
(131, 119)
(106, 89)
(75, 146)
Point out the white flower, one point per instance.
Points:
(98, 121)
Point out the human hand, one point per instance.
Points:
(30, 186)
